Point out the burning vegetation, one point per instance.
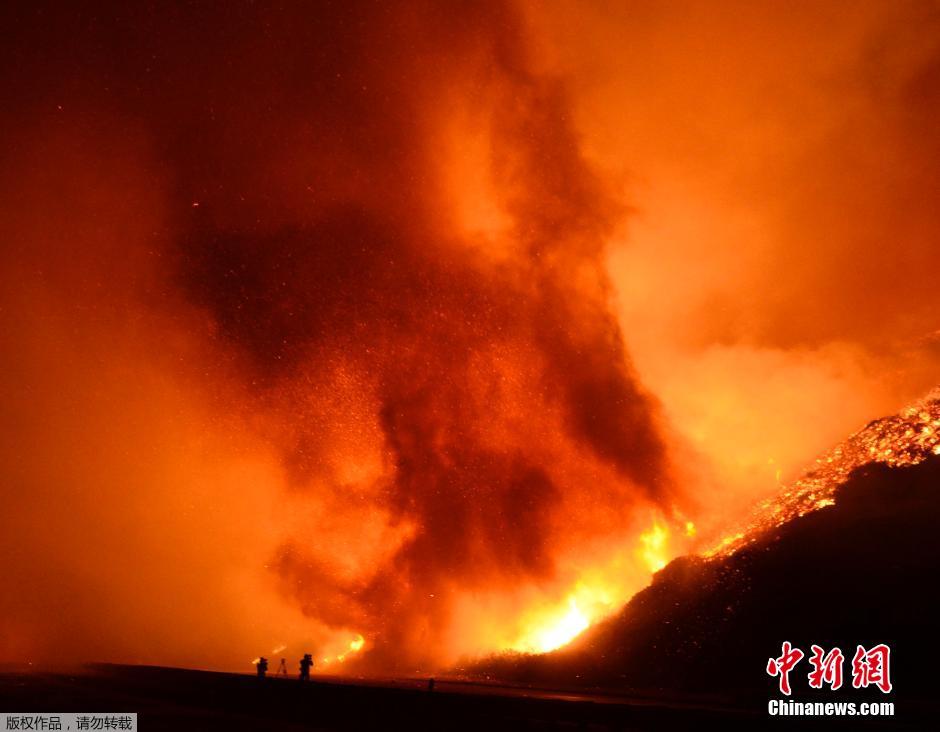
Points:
(906, 438)
(403, 334)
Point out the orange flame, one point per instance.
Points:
(355, 646)
(654, 547)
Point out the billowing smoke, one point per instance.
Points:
(321, 322)
(776, 277)
(449, 411)
(472, 367)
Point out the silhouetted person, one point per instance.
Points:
(262, 666)
(282, 669)
(430, 685)
(305, 663)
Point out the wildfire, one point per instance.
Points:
(903, 439)
(562, 631)
(355, 645)
(654, 545)
(556, 626)
(906, 438)
(595, 598)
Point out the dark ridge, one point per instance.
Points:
(863, 571)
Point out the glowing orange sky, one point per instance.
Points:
(418, 333)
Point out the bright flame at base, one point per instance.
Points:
(556, 626)
(561, 632)
(596, 597)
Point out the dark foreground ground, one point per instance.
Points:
(174, 699)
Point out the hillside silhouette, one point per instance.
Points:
(862, 571)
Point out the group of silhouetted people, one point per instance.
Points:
(306, 663)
